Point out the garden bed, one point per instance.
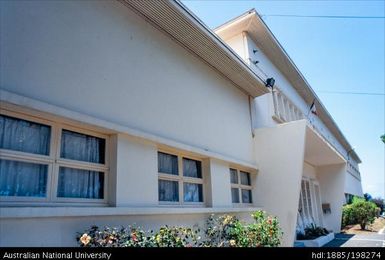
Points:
(317, 242)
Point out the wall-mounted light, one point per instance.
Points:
(255, 51)
(255, 62)
(270, 82)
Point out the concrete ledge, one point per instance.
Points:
(318, 242)
(46, 212)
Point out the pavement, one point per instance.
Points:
(359, 240)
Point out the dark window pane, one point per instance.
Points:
(192, 192)
(23, 179)
(192, 168)
(233, 176)
(246, 196)
(235, 195)
(76, 183)
(168, 190)
(245, 178)
(24, 136)
(167, 163)
(82, 147)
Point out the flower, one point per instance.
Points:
(134, 237)
(85, 239)
(232, 242)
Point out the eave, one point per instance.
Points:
(177, 22)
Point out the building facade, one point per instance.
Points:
(112, 113)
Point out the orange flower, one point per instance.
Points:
(85, 239)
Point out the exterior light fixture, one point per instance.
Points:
(270, 82)
(255, 51)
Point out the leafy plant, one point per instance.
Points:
(360, 212)
(137, 237)
(312, 231)
(176, 237)
(228, 231)
(221, 231)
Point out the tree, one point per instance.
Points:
(362, 212)
(367, 197)
(383, 138)
(379, 203)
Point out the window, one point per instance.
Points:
(310, 202)
(180, 179)
(240, 187)
(43, 160)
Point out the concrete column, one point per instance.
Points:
(280, 157)
(220, 184)
(332, 180)
(136, 173)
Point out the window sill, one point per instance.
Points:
(48, 212)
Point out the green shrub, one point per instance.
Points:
(175, 237)
(136, 237)
(221, 231)
(347, 215)
(359, 212)
(228, 231)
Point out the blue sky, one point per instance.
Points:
(333, 55)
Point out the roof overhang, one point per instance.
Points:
(176, 21)
(258, 31)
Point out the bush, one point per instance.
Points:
(379, 203)
(136, 237)
(228, 231)
(312, 232)
(221, 231)
(347, 215)
(359, 212)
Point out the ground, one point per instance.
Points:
(353, 236)
(377, 225)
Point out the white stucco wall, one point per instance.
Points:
(332, 181)
(237, 43)
(220, 184)
(101, 59)
(280, 153)
(137, 173)
(62, 231)
(353, 185)
(309, 171)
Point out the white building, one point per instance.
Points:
(122, 112)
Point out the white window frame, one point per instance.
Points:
(239, 186)
(54, 161)
(181, 179)
(310, 201)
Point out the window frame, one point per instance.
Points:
(54, 161)
(181, 179)
(239, 186)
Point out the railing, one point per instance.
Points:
(284, 109)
